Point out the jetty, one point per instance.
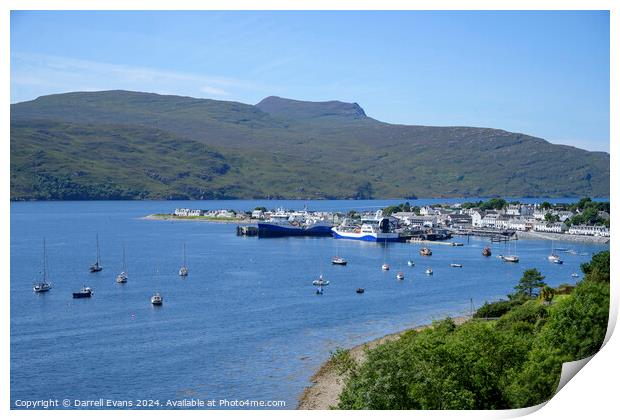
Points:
(247, 231)
(426, 241)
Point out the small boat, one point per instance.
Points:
(339, 261)
(456, 265)
(510, 258)
(426, 252)
(157, 300)
(556, 260)
(574, 275)
(97, 265)
(44, 285)
(360, 290)
(122, 277)
(410, 263)
(429, 271)
(486, 251)
(385, 267)
(400, 276)
(85, 292)
(320, 282)
(184, 271)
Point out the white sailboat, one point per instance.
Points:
(44, 285)
(514, 258)
(553, 257)
(157, 299)
(122, 277)
(184, 271)
(410, 262)
(385, 266)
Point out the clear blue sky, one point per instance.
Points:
(541, 73)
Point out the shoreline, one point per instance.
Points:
(327, 384)
(550, 236)
(173, 218)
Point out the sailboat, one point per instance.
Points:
(122, 277)
(44, 285)
(410, 262)
(320, 281)
(338, 260)
(511, 258)
(157, 299)
(96, 266)
(385, 266)
(184, 271)
(554, 258)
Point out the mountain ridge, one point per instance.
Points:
(278, 148)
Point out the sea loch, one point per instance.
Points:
(245, 324)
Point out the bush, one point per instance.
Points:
(496, 309)
(531, 312)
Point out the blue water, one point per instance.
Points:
(245, 324)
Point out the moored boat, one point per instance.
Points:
(320, 281)
(122, 277)
(184, 271)
(85, 292)
(456, 265)
(339, 261)
(429, 271)
(486, 251)
(400, 275)
(157, 300)
(295, 224)
(96, 267)
(426, 252)
(44, 285)
(377, 229)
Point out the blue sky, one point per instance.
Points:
(541, 73)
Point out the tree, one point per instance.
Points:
(547, 293)
(529, 283)
(545, 205)
(551, 217)
(598, 268)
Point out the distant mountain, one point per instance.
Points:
(132, 145)
(301, 110)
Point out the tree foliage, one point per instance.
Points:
(509, 363)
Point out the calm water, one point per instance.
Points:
(245, 324)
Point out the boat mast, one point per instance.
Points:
(97, 249)
(44, 262)
(184, 257)
(124, 266)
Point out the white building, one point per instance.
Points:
(555, 227)
(258, 214)
(476, 218)
(589, 230)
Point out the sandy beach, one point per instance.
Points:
(327, 384)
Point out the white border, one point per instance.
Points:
(591, 393)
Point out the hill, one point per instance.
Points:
(132, 145)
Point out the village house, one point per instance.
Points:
(596, 230)
(554, 227)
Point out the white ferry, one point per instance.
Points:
(377, 229)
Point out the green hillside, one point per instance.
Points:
(131, 145)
